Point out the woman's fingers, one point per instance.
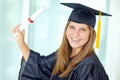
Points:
(18, 35)
(23, 33)
(16, 31)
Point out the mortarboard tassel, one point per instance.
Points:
(98, 31)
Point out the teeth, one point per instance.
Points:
(76, 39)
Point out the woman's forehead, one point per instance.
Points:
(78, 24)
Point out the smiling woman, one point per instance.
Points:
(75, 59)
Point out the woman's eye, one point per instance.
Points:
(83, 29)
(71, 27)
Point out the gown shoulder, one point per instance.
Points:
(37, 67)
(89, 69)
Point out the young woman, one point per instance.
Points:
(74, 60)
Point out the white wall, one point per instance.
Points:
(113, 42)
(10, 16)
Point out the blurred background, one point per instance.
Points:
(45, 34)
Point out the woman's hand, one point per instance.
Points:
(19, 37)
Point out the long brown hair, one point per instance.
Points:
(63, 66)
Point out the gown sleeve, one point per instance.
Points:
(37, 67)
(90, 72)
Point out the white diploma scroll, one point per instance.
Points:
(30, 19)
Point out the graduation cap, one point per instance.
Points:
(86, 15)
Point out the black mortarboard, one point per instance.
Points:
(83, 14)
(86, 15)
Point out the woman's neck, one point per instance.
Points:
(75, 51)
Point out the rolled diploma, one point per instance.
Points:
(31, 19)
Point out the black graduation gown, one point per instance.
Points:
(40, 67)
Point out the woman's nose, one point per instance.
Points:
(76, 34)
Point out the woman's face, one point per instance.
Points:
(77, 34)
